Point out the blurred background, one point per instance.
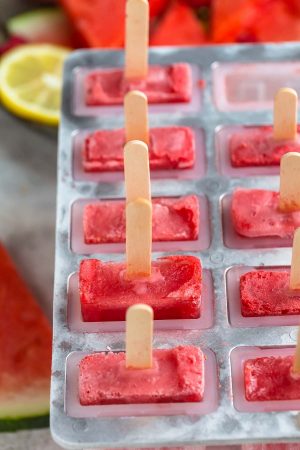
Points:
(28, 142)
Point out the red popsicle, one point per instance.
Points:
(255, 213)
(174, 219)
(264, 146)
(177, 376)
(268, 293)
(256, 147)
(270, 378)
(173, 289)
(163, 84)
(169, 148)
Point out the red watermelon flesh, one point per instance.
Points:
(197, 3)
(255, 20)
(179, 26)
(276, 23)
(25, 348)
(157, 7)
(101, 23)
(233, 24)
(293, 6)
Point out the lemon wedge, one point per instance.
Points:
(31, 81)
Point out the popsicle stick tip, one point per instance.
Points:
(134, 145)
(293, 156)
(286, 91)
(285, 114)
(136, 116)
(139, 336)
(136, 39)
(137, 2)
(140, 309)
(135, 94)
(140, 203)
(290, 182)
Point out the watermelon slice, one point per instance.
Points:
(43, 25)
(179, 26)
(25, 349)
(100, 23)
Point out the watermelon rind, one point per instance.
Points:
(26, 410)
(27, 423)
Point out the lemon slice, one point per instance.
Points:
(31, 81)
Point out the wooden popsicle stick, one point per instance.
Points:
(289, 199)
(136, 117)
(295, 264)
(136, 171)
(136, 39)
(285, 114)
(138, 238)
(296, 364)
(139, 336)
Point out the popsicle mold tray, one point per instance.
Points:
(232, 87)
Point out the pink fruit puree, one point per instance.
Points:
(166, 84)
(270, 378)
(177, 376)
(169, 148)
(255, 146)
(173, 290)
(174, 219)
(267, 293)
(255, 213)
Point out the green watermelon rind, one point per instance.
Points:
(25, 423)
(25, 409)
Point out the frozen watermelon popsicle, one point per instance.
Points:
(170, 147)
(173, 219)
(141, 374)
(170, 285)
(264, 146)
(272, 293)
(172, 83)
(273, 378)
(163, 84)
(263, 213)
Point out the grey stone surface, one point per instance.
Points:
(28, 440)
(27, 213)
